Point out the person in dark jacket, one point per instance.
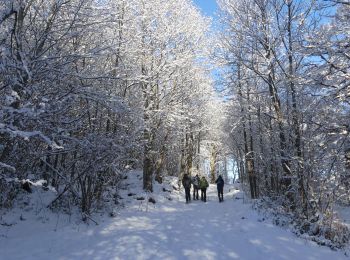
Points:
(203, 185)
(195, 183)
(220, 185)
(186, 182)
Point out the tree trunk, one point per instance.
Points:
(212, 163)
(295, 114)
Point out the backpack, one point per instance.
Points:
(186, 182)
(195, 181)
(203, 184)
(220, 182)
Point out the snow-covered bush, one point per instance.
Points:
(8, 192)
(325, 229)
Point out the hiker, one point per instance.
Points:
(203, 185)
(195, 182)
(220, 185)
(186, 182)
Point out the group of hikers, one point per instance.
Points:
(201, 184)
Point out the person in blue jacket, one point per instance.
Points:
(220, 186)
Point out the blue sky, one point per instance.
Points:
(207, 6)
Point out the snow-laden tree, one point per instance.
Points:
(328, 76)
(169, 43)
(90, 88)
(287, 72)
(58, 107)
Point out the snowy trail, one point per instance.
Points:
(168, 230)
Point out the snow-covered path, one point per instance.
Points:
(168, 230)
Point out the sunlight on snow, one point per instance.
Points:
(169, 209)
(200, 254)
(259, 243)
(132, 223)
(233, 255)
(284, 238)
(255, 242)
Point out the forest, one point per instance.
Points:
(91, 90)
